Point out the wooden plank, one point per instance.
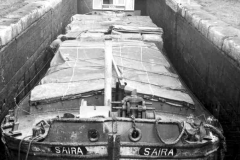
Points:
(108, 73)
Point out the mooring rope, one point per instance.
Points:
(19, 147)
(169, 143)
(29, 146)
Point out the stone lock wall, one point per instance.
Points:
(206, 53)
(24, 35)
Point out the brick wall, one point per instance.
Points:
(25, 34)
(205, 52)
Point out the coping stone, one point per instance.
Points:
(205, 25)
(192, 17)
(172, 4)
(196, 16)
(217, 34)
(22, 18)
(5, 35)
(231, 46)
(221, 34)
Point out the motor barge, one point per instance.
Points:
(111, 93)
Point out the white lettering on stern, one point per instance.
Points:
(154, 153)
(170, 153)
(149, 151)
(79, 151)
(74, 151)
(69, 150)
(58, 150)
(146, 151)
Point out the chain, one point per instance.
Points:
(134, 122)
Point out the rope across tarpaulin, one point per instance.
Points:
(78, 67)
(145, 68)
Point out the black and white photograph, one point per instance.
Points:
(119, 79)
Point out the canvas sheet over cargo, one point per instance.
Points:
(78, 67)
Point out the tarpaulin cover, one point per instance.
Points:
(78, 67)
(137, 29)
(127, 36)
(128, 26)
(83, 22)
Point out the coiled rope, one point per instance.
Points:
(175, 141)
(212, 128)
(219, 134)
